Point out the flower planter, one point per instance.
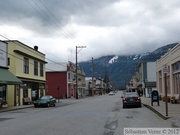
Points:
(4, 106)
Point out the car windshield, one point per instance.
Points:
(131, 94)
(45, 97)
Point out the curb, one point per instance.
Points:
(12, 109)
(155, 111)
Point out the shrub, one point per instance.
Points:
(3, 102)
(164, 98)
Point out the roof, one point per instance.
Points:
(16, 42)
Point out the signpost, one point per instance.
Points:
(165, 71)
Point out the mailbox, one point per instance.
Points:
(154, 97)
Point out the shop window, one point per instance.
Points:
(41, 93)
(25, 93)
(3, 92)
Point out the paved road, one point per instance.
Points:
(101, 115)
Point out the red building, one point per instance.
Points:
(60, 81)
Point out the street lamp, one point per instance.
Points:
(76, 69)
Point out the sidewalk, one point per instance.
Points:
(65, 101)
(173, 113)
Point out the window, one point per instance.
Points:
(35, 68)
(25, 93)
(69, 76)
(160, 73)
(2, 92)
(176, 66)
(26, 65)
(8, 61)
(41, 70)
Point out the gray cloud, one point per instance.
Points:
(130, 26)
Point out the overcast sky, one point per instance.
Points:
(105, 27)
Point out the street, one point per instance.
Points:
(99, 115)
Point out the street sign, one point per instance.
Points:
(165, 69)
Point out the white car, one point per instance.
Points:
(111, 93)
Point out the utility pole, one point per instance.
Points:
(76, 69)
(165, 71)
(92, 76)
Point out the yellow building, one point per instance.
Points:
(28, 65)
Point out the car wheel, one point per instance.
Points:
(54, 104)
(48, 104)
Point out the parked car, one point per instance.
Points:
(111, 93)
(131, 99)
(45, 101)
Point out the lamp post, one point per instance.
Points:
(76, 69)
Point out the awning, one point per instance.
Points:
(6, 77)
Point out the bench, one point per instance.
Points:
(26, 101)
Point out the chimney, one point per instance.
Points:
(36, 48)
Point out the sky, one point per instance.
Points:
(101, 27)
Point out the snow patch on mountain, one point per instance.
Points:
(114, 59)
(138, 56)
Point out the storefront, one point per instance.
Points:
(33, 90)
(6, 79)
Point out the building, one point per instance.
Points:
(107, 86)
(147, 78)
(81, 83)
(7, 79)
(88, 81)
(61, 80)
(169, 64)
(133, 82)
(98, 86)
(28, 65)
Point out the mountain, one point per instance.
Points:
(121, 68)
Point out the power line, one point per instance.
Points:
(32, 52)
(56, 20)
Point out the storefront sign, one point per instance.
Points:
(41, 86)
